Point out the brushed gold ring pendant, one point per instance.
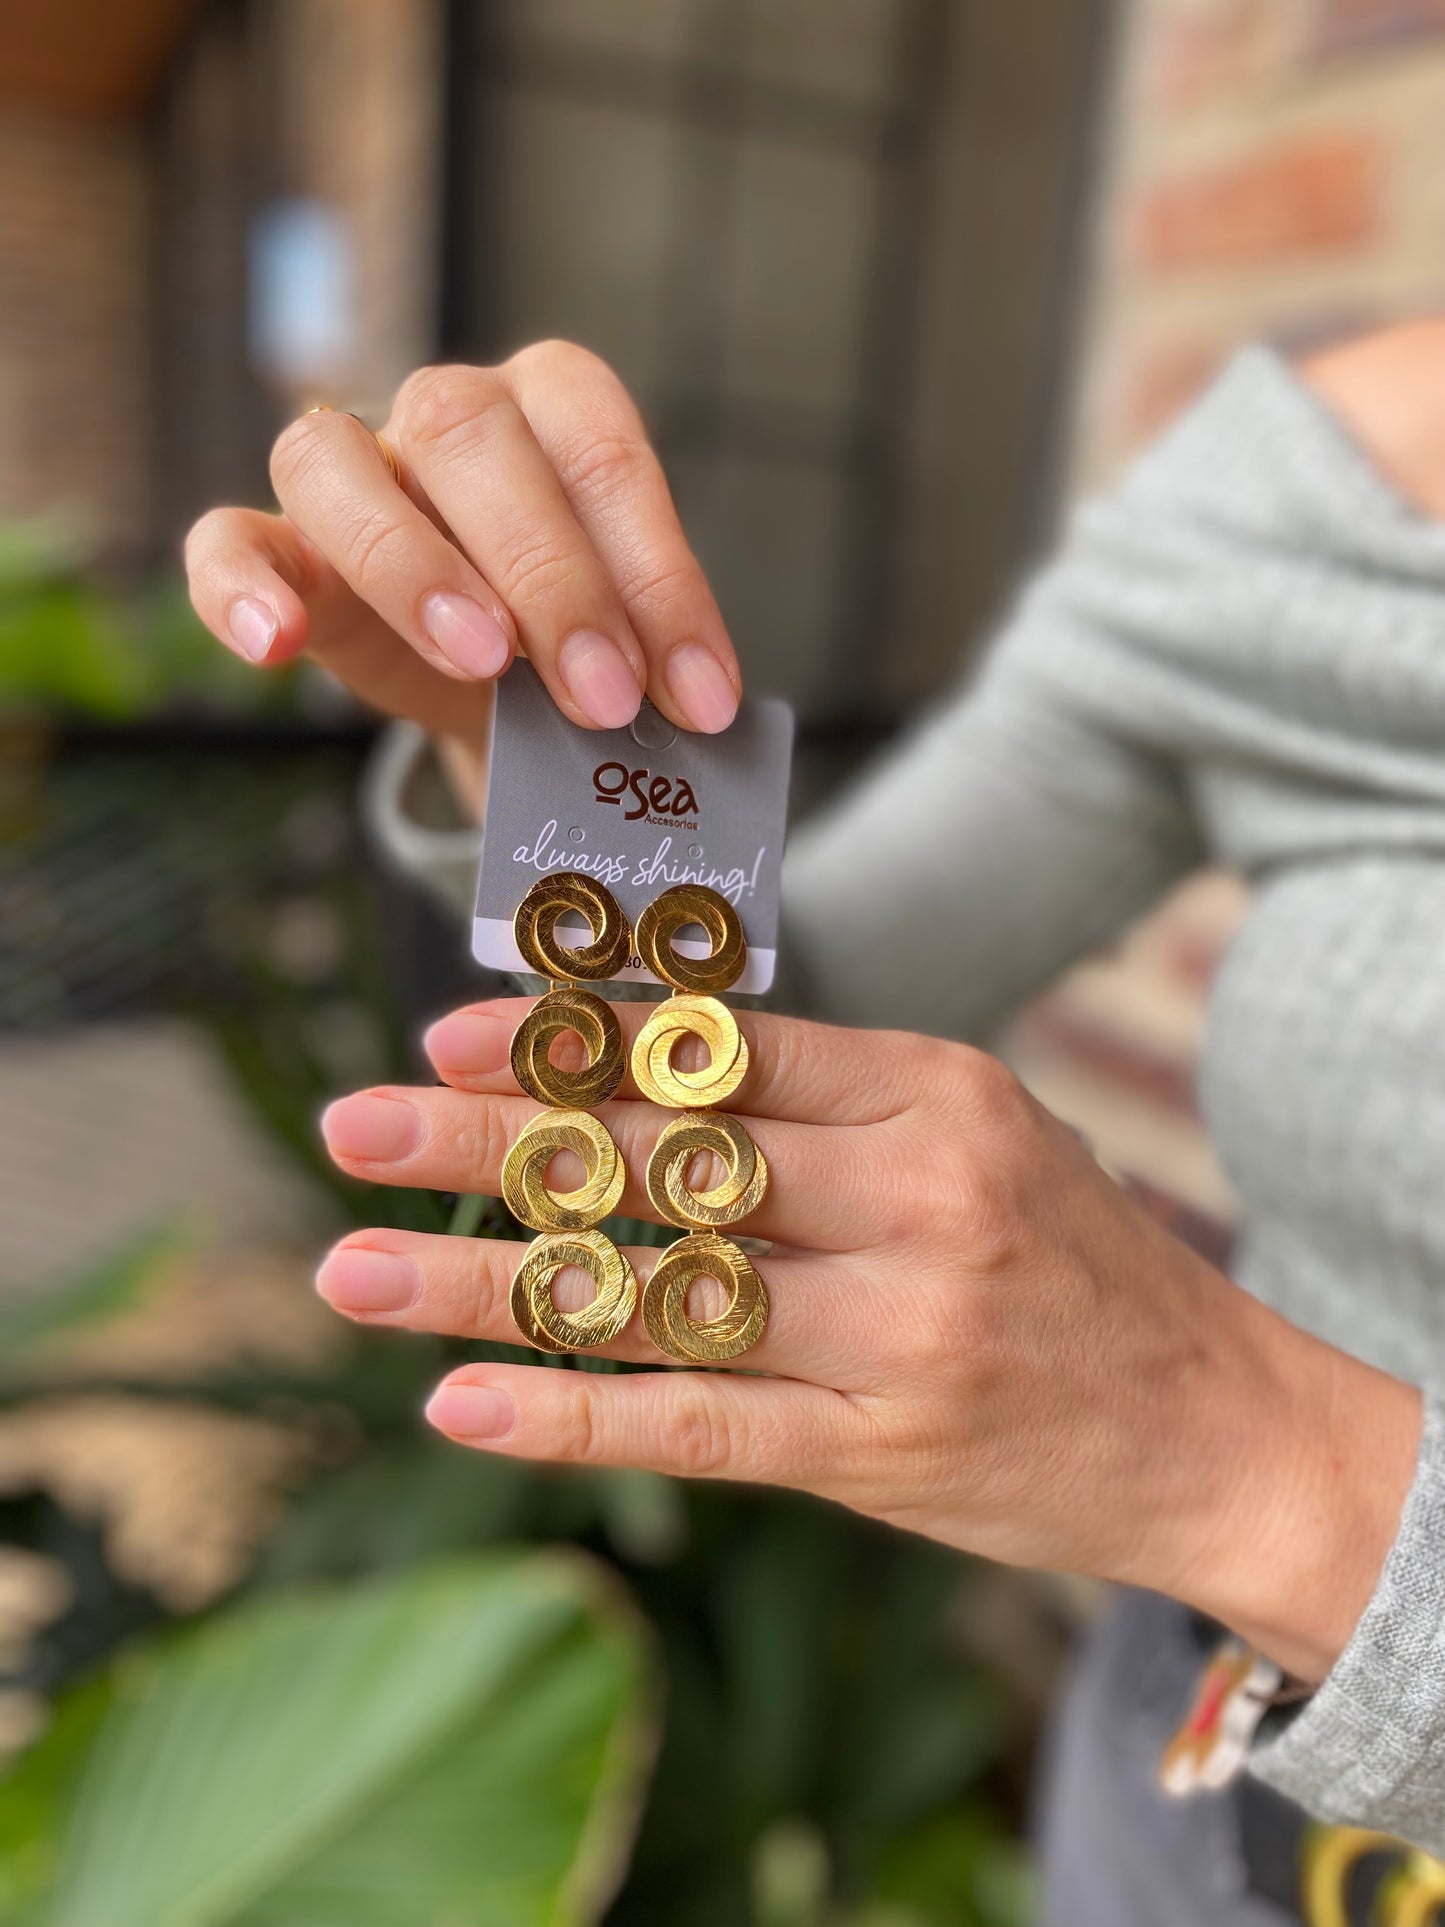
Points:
(567, 893)
(568, 1008)
(534, 1309)
(741, 1191)
(674, 911)
(524, 1172)
(675, 1018)
(711, 1341)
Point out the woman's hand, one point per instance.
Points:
(975, 1334)
(531, 514)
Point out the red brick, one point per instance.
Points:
(1161, 383)
(1338, 26)
(1214, 49)
(1319, 194)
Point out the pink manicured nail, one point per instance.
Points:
(599, 679)
(373, 1130)
(469, 1042)
(700, 688)
(472, 640)
(253, 627)
(472, 1412)
(355, 1279)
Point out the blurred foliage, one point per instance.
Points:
(831, 1755)
(117, 1283)
(71, 645)
(465, 1741)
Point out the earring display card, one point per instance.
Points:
(639, 809)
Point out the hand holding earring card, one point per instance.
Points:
(637, 810)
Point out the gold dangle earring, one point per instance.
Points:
(693, 1010)
(566, 1006)
(566, 1218)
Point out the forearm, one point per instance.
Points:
(1290, 1464)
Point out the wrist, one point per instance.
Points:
(1317, 1452)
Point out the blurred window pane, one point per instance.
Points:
(302, 305)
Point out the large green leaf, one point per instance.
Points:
(462, 1746)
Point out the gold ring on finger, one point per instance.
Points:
(387, 452)
(676, 1017)
(524, 1172)
(673, 911)
(535, 1312)
(564, 1009)
(389, 456)
(711, 1341)
(742, 1189)
(549, 900)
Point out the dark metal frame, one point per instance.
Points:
(705, 89)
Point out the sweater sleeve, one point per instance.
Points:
(1009, 835)
(1368, 1750)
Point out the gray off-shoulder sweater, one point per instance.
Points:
(1240, 657)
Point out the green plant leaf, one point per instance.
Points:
(119, 1282)
(461, 1745)
(962, 1869)
(32, 1800)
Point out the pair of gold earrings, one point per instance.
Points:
(567, 1219)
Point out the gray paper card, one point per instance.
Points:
(639, 809)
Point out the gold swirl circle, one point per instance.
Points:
(546, 903)
(534, 1311)
(740, 1192)
(689, 903)
(524, 1172)
(595, 1022)
(682, 1016)
(664, 1301)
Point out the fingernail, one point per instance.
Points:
(472, 1412)
(471, 639)
(354, 1279)
(466, 1041)
(374, 1130)
(700, 688)
(253, 627)
(599, 679)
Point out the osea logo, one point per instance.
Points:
(652, 795)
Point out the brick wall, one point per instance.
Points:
(74, 323)
(361, 130)
(81, 302)
(1278, 170)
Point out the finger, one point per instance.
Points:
(462, 1286)
(799, 1072)
(446, 1140)
(471, 449)
(711, 1425)
(248, 581)
(335, 486)
(590, 430)
(262, 589)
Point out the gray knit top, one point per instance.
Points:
(1240, 657)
